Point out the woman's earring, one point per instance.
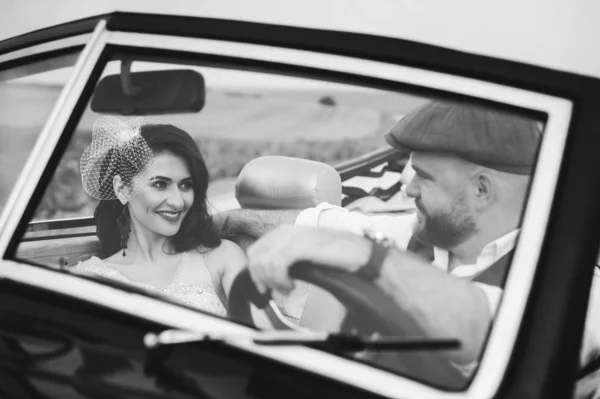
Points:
(124, 224)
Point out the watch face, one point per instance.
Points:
(379, 236)
(376, 236)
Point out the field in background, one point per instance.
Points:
(233, 128)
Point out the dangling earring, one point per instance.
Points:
(124, 224)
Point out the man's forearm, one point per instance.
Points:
(443, 305)
(256, 222)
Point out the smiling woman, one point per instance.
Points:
(324, 95)
(152, 220)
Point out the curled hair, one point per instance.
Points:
(197, 229)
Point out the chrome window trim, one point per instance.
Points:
(502, 337)
(79, 40)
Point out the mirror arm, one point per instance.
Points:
(126, 81)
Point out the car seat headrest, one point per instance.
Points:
(276, 182)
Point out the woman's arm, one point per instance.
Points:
(253, 222)
(231, 260)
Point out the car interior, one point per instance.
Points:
(370, 181)
(275, 136)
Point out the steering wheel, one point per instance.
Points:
(366, 303)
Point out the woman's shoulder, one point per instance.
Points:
(228, 245)
(227, 251)
(97, 267)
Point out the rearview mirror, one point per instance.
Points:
(150, 93)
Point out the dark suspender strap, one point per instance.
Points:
(417, 247)
(496, 274)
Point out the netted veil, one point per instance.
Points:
(117, 148)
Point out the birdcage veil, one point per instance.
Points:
(117, 148)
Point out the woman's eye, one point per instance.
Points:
(186, 186)
(159, 184)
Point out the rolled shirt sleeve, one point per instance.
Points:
(398, 228)
(333, 217)
(310, 217)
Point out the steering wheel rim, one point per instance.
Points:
(365, 300)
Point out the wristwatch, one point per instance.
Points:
(381, 245)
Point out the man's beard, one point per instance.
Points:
(445, 229)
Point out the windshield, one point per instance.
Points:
(174, 203)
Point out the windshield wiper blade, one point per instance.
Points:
(327, 341)
(350, 342)
(160, 347)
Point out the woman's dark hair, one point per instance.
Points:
(197, 228)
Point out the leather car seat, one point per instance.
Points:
(277, 182)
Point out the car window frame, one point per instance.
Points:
(428, 82)
(484, 357)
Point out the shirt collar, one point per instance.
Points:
(490, 254)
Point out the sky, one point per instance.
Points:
(559, 34)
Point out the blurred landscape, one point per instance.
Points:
(235, 127)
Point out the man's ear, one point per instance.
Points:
(120, 188)
(485, 189)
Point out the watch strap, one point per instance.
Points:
(372, 269)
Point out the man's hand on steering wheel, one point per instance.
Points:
(270, 258)
(328, 259)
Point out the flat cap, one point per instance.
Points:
(484, 136)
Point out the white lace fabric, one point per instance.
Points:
(117, 149)
(201, 296)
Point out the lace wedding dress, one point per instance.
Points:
(202, 296)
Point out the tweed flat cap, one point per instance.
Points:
(484, 136)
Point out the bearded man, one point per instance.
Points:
(472, 171)
(472, 166)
